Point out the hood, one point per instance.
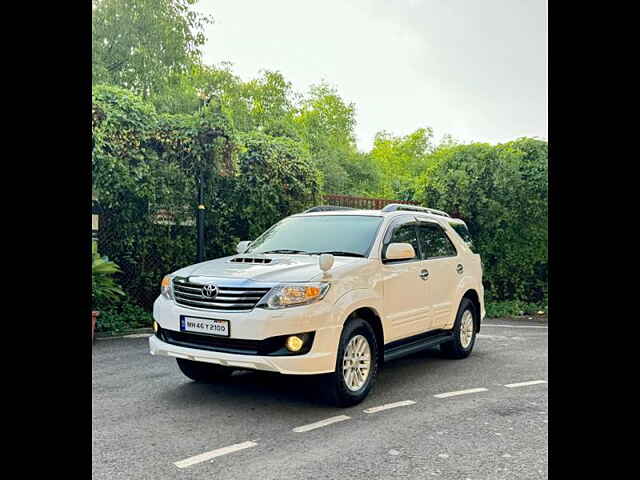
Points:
(271, 268)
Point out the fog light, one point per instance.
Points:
(155, 327)
(294, 343)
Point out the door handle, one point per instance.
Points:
(424, 274)
(460, 269)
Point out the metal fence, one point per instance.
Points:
(364, 203)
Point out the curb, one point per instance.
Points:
(135, 333)
(520, 318)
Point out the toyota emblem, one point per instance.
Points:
(209, 290)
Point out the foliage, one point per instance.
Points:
(103, 286)
(400, 160)
(513, 308)
(161, 118)
(123, 316)
(144, 163)
(326, 124)
(139, 44)
(501, 192)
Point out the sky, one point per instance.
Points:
(473, 69)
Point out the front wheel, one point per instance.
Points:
(464, 332)
(356, 365)
(203, 372)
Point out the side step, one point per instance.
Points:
(411, 345)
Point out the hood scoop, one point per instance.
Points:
(251, 259)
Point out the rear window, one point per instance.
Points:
(462, 230)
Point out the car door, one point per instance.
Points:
(406, 308)
(441, 262)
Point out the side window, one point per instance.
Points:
(462, 230)
(435, 242)
(405, 233)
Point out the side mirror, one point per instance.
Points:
(243, 246)
(400, 251)
(325, 262)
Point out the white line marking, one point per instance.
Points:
(524, 384)
(513, 326)
(203, 457)
(387, 406)
(321, 423)
(460, 392)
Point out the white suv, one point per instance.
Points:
(332, 292)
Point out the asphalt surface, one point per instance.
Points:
(147, 416)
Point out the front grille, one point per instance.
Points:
(189, 294)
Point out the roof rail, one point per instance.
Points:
(392, 207)
(326, 208)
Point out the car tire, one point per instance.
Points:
(337, 392)
(463, 332)
(203, 372)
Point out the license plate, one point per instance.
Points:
(208, 326)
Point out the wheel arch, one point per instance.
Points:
(372, 317)
(473, 296)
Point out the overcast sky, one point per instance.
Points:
(475, 69)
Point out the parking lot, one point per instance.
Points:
(484, 417)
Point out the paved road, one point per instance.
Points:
(147, 417)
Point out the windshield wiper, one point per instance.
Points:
(339, 253)
(284, 250)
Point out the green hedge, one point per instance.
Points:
(143, 161)
(501, 192)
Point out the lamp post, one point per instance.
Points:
(200, 219)
(205, 138)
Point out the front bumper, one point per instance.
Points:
(257, 324)
(309, 364)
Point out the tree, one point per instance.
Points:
(140, 44)
(326, 124)
(400, 160)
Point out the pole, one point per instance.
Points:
(200, 219)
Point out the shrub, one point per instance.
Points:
(501, 192)
(103, 286)
(143, 162)
(512, 308)
(123, 316)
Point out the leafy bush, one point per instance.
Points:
(103, 286)
(143, 162)
(512, 308)
(120, 317)
(501, 192)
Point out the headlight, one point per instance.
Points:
(295, 294)
(165, 287)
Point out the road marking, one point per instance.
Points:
(513, 326)
(203, 457)
(321, 423)
(460, 392)
(524, 384)
(387, 406)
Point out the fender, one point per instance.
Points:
(355, 299)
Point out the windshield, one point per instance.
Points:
(349, 235)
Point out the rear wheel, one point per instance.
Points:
(356, 365)
(464, 332)
(203, 372)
